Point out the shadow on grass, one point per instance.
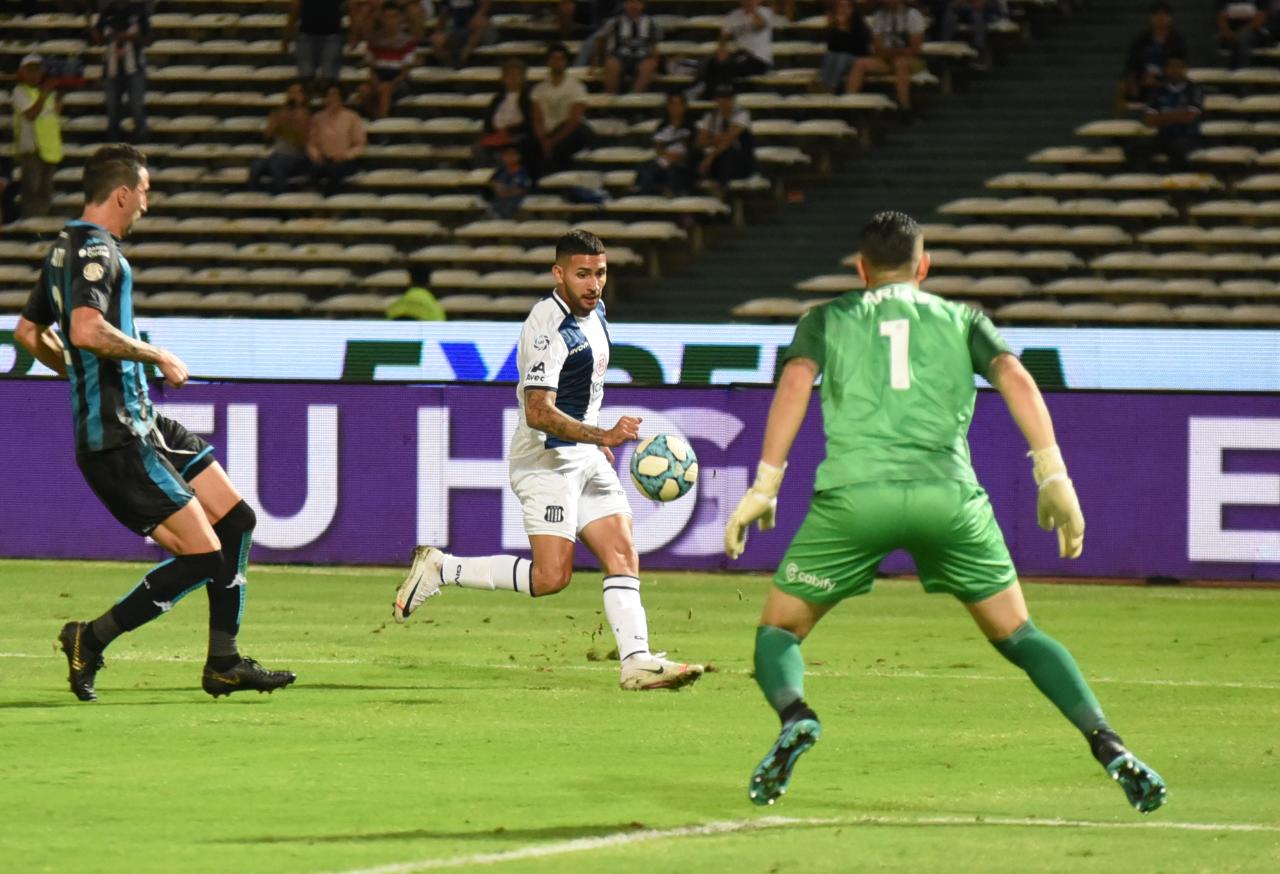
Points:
(563, 832)
(380, 687)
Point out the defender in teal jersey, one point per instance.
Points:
(897, 366)
(154, 476)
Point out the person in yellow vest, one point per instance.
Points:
(37, 134)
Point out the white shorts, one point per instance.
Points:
(565, 499)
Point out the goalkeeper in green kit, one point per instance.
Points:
(897, 366)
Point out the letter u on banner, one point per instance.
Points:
(321, 502)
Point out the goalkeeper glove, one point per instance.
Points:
(1057, 505)
(759, 505)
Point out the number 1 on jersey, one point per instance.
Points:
(898, 331)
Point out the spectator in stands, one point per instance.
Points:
(847, 40)
(509, 184)
(509, 119)
(559, 114)
(288, 128)
(724, 137)
(897, 37)
(587, 17)
(1241, 26)
(392, 51)
(417, 302)
(670, 171)
(315, 26)
(464, 27)
(627, 47)
(1174, 111)
(124, 29)
(745, 48)
(37, 134)
(335, 143)
(979, 15)
(1148, 53)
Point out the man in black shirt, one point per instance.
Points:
(1148, 53)
(145, 468)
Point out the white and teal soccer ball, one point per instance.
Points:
(664, 467)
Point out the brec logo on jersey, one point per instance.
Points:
(554, 514)
(537, 373)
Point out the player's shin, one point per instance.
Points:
(489, 572)
(227, 590)
(1055, 673)
(625, 612)
(162, 587)
(779, 672)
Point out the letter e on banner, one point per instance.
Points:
(1210, 489)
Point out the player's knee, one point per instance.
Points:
(239, 519)
(550, 579)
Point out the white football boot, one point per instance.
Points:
(423, 582)
(645, 671)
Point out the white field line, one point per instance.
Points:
(1012, 677)
(624, 838)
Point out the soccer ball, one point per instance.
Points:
(664, 467)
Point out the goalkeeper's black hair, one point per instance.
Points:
(889, 241)
(578, 242)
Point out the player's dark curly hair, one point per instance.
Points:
(578, 242)
(889, 241)
(110, 167)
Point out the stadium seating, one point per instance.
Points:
(211, 245)
(1080, 240)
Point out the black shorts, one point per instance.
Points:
(146, 481)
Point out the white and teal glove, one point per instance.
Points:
(1057, 505)
(759, 505)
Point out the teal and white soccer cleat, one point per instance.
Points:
(1143, 787)
(770, 778)
(645, 671)
(424, 581)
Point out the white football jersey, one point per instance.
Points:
(566, 354)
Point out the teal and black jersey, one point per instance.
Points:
(85, 268)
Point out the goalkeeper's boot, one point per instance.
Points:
(244, 675)
(83, 663)
(646, 671)
(1143, 787)
(426, 575)
(770, 778)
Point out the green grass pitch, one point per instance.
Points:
(483, 734)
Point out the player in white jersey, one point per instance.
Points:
(562, 471)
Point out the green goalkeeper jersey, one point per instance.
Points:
(897, 386)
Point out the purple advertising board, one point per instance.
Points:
(1179, 485)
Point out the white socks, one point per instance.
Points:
(626, 615)
(490, 572)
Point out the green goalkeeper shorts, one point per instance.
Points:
(947, 526)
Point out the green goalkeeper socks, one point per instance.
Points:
(779, 666)
(1055, 673)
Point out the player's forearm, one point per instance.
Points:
(49, 352)
(106, 341)
(43, 344)
(787, 411)
(557, 424)
(1025, 402)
